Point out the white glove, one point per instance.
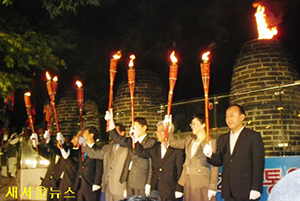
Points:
(178, 194)
(60, 137)
(125, 194)
(207, 150)
(254, 195)
(34, 139)
(47, 136)
(168, 121)
(65, 154)
(95, 187)
(109, 116)
(132, 134)
(81, 141)
(211, 193)
(147, 189)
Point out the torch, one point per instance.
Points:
(112, 75)
(205, 73)
(27, 101)
(172, 82)
(51, 88)
(80, 99)
(131, 83)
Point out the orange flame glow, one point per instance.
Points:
(118, 55)
(79, 84)
(27, 94)
(264, 32)
(132, 57)
(48, 76)
(205, 57)
(173, 57)
(55, 79)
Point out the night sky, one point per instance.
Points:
(191, 28)
(153, 29)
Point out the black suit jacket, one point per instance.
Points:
(89, 172)
(243, 169)
(55, 168)
(165, 171)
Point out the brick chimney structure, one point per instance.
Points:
(150, 93)
(274, 113)
(68, 114)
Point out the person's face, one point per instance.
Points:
(234, 118)
(197, 126)
(89, 137)
(160, 133)
(122, 133)
(74, 140)
(140, 130)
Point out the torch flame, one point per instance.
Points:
(27, 94)
(55, 79)
(173, 58)
(264, 32)
(205, 57)
(48, 76)
(132, 57)
(79, 84)
(118, 55)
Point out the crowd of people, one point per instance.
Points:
(137, 166)
(9, 143)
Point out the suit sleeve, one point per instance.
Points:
(98, 172)
(122, 140)
(94, 153)
(258, 162)
(214, 173)
(149, 176)
(179, 162)
(176, 143)
(141, 152)
(217, 157)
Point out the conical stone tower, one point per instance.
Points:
(265, 64)
(150, 93)
(68, 114)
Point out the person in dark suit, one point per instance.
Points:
(89, 176)
(241, 154)
(70, 158)
(52, 178)
(166, 165)
(137, 171)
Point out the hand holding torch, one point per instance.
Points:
(172, 82)
(112, 75)
(80, 99)
(131, 83)
(205, 74)
(27, 101)
(52, 88)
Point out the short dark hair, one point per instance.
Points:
(142, 121)
(93, 129)
(139, 198)
(242, 111)
(200, 117)
(121, 126)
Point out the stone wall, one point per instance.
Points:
(68, 114)
(149, 95)
(261, 65)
